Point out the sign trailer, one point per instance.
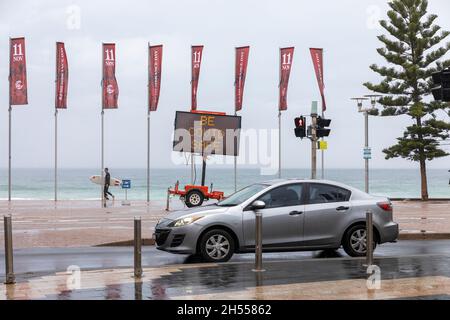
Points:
(204, 133)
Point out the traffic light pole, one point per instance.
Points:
(313, 145)
(322, 154)
(235, 166)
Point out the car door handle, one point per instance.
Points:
(295, 213)
(342, 208)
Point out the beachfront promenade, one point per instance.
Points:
(86, 223)
(50, 239)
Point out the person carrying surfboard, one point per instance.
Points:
(107, 183)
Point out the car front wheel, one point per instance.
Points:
(354, 242)
(216, 246)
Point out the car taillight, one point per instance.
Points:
(386, 206)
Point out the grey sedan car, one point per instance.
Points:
(298, 215)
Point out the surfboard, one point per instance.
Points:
(99, 180)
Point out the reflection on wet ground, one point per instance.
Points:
(421, 271)
(49, 260)
(415, 275)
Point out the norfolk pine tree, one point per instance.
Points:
(414, 49)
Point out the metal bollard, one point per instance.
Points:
(137, 248)
(258, 242)
(138, 289)
(369, 238)
(168, 199)
(9, 265)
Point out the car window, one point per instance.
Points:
(324, 193)
(242, 195)
(284, 196)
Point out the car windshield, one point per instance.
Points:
(242, 195)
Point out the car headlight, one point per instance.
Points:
(184, 221)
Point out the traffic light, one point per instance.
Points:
(321, 130)
(441, 89)
(300, 127)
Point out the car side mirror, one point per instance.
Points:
(258, 205)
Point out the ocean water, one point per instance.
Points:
(74, 184)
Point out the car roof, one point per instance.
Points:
(356, 193)
(290, 180)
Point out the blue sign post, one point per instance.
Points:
(367, 153)
(126, 184)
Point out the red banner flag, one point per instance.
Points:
(240, 73)
(17, 72)
(197, 52)
(154, 75)
(317, 58)
(62, 76)
(286, 56)
(109, 82)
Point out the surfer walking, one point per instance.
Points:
(106, 186)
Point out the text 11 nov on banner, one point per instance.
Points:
(110, 88)
(286, 56)
(18, 89)
(196, 61)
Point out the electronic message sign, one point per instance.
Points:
(207, 133)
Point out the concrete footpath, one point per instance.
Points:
(86, 223)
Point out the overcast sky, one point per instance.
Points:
(346, 30)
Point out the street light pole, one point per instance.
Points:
(367, 151)
(373, 101)
(366, 146)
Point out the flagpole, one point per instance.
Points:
(323, 116)
(279, 122)
(102, 157)
(56, 154)
(102, 184)
(148, 156)
(279, 144)
(9, 132)
(235, 165)
(9, 150)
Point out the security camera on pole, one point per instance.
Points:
(367, 152)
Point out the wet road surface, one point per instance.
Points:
(49, 260)
(408, 270)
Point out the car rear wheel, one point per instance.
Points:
(354, 242)
(216, 246)
(194, 198)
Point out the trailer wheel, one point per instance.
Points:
(194, 198)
